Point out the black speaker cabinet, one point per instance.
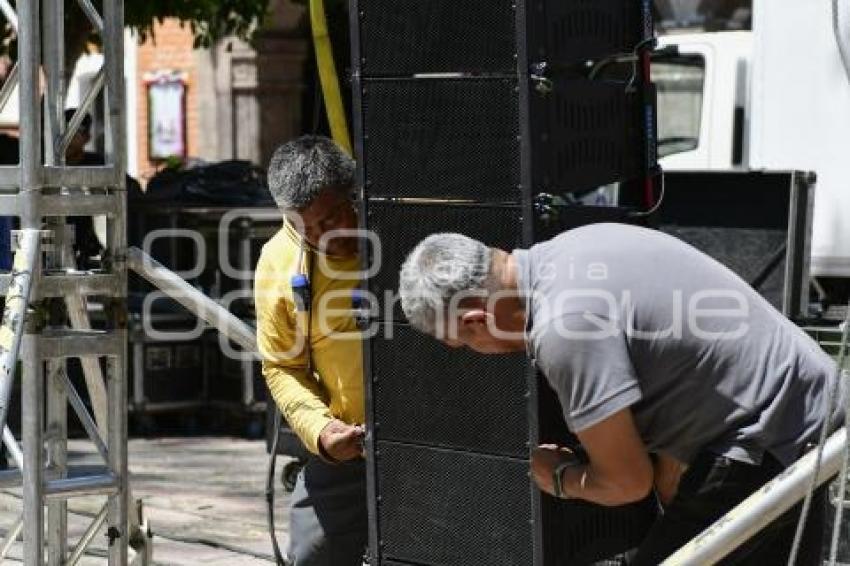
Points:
(482, 101)
(757, 223)
(398, 226)
(450, 430)
(413, 37)
(463, 113)
(463, 139)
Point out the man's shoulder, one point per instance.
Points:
(559, 337)
(601, 235)
(275, 266)
(278, 253)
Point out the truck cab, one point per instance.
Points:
(776, 97)
(702, 86)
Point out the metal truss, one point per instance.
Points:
(41, 191)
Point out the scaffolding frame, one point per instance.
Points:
(41, 191)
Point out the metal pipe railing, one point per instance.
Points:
(87, 537)
(11, 537)
(103, 484)
(85, 418)
(17, 300)
(91, 13)
(9, 85)
(195, 301)
(10, 14)
(762, 507)
(64, 141)
(13, 448)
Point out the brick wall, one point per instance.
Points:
(170, 49)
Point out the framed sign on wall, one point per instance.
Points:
(166, 115)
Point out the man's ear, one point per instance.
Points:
(474, 316)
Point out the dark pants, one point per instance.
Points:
(712, 486)
(328, 522)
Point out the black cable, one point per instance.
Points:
(618, 58)
(648, 41)
(270, 490)
(657, 205)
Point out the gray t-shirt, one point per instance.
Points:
(620, 316)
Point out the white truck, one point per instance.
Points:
(776, 97)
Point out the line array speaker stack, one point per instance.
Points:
(464, 113)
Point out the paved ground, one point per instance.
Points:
(197, 492)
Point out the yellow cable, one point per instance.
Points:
(328, 76)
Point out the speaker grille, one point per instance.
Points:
(579, 533)
(458, 399)
(581, 30)
(405, 37)
(445, 508)
(739, 219)
(399, 227)
(751, 253)
(446, 138)
(591, 135)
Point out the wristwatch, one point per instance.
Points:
(558, 474)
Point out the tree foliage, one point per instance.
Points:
(209, 20)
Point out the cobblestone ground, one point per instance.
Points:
(204, 499)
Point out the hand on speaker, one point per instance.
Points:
(341, 441)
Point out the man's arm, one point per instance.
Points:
(302, 404)
(300, 400)
(619, 469)
(587, 361)
(299, 396)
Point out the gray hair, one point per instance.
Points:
(437, 270)
(301, 168)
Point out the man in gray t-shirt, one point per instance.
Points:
(663, 361)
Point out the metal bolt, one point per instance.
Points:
(112, 533)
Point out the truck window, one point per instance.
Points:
(679, 80)
(703, 15)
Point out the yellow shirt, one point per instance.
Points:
(335, 390)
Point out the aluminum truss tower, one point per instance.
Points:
(41, 191)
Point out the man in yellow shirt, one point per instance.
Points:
(311, 347)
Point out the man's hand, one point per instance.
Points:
(544, 460)
(618, 469)
(341, 441)
(668, 472)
